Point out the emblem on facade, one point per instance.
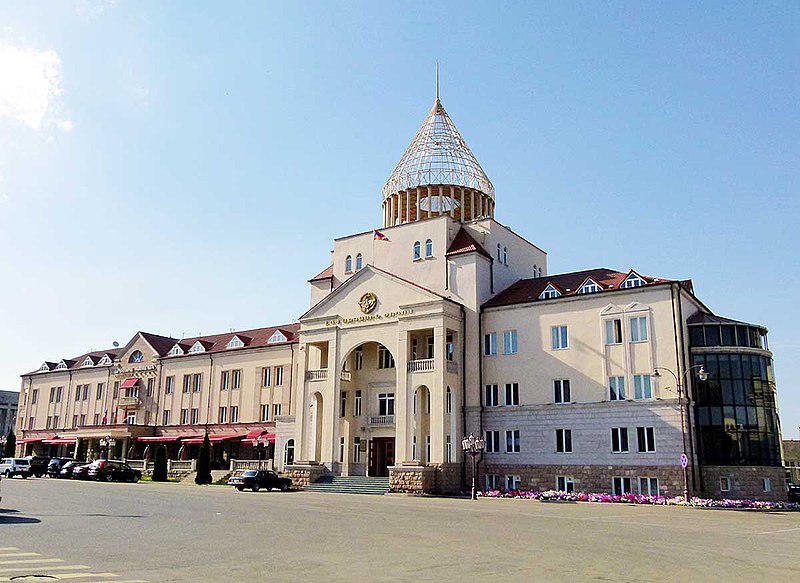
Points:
(368, 302)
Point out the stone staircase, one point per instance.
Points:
(349, 485)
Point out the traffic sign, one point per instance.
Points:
(684, 460)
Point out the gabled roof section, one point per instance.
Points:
(463, 243)
(529, 290)
(326, 273)
(438, 155)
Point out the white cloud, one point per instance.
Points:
(31, 85)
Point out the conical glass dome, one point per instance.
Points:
(438, 174)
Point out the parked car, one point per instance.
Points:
(257, 479)
(111, 470)
(793, 493)
(56, 465)
(15, 466)
(38, 465)
(80, 472)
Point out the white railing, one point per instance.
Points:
(381, 419)
(452, 367)
(320, 374)
(129, 401)
(421, 365)
(346, 376)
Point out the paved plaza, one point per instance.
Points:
(175, 532)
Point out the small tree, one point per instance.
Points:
(160, 464)
(11, 444)
(204, 463)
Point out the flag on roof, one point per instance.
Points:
(378, 236)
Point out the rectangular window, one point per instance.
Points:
(641, 387)
(646, 438)
(492, 396)
(195, 416)
(187, 383)
(265, 412)
(386, 404)
(563, 440)
(512, 483)
(510, 342)
(267, 376)
(385, 358)
(222, 417)
(725, 484)
(357, 404)
(342, 403)
(234, 414)
(224, 380)
(619, 440)
(616, 386)
(276, 410)
(565, 484)
(198, 382)
(237, 379)
(150, 383)
(614, 331)
(766, 484)
(512, 394)
(184, 416)
(561, 392)
(559, 337)
(356, 450)
(639, 329)
(165, 417)
(492, 442)
(490, 344)
(493, 482)
(100, 387)
(648, 486)
(169, 385)
(620, 486)
(512, 441)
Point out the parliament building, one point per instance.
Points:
(439, 323)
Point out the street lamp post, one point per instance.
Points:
(702, 375)
(473, 446)
(260, 443)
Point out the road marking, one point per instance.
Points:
(4, 555)
(777, 531)
(40, 568)
(20, 561)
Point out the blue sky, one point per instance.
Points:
(182, 168)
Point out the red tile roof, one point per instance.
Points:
(465, 243)
(326, 273)
(568, 284)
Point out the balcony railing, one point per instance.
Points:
(129, 401)
(346, 376)
(421, 365)
(320, 374)
(381, 419)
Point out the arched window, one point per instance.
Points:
(288, 454)
(428, 248)
(417, 250)
(359, 261)
(348, 264)
(505, 255)
(137, 356)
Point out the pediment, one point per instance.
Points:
(390, 293)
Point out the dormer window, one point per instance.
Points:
(88, 362)
(348, 264)
(44, 368)
(589, 287)
(633, 280)
(277, 336)
(106, 360)
(61, 366)
(549, 292)
(417, 250)
(136, 357)
(428, 249)
(235, 342)
(175, 351)
(359, 261)
(197, 347)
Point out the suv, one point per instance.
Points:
(38, 465)
(110, 470)
(15, 466)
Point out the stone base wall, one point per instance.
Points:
(303, 475)
(745, 482)
(586, 478)
(412, 479)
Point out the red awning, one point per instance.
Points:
(159, 438)
(216, 438)
(128, 383)
(61, 441)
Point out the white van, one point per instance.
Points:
(15, 466)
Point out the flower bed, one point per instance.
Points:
(558, 496)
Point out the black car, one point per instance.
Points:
(257, 479)
(110, 471)
(55, 466)
(38, 465)
(793, 493)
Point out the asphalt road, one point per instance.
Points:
(86, 531)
